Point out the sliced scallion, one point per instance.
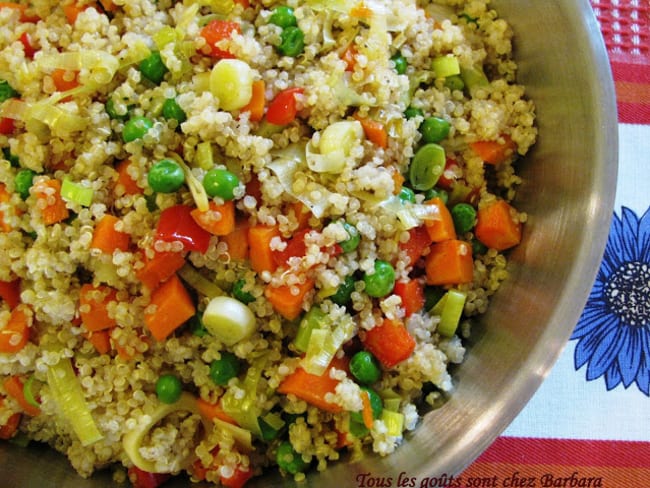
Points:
(76, 192)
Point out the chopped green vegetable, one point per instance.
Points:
(473, 78)
(394, 422)
(172, 110)
(412, 112)
(112, 112)
(315, 318)
(427, 166)
(400, 63)
(444, 66)
(376, 405)
(437, 193)
(325, 343)
(203, 157)
(343, 293)
(450, 308)
(240, 294)
(406, 195)
(246, 408)
(199, 282)
(69, 398)
(6, 91)
(455, 82)
(169, 388)
(166, 176)
(77, 193)
(352, 242)
(196, 326)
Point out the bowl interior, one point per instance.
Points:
(568, 193)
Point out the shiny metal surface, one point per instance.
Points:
(568, 192)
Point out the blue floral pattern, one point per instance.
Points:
(613, 332)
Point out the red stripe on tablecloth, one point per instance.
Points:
(571, 452)
(632, 83)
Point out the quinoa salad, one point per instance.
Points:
(239, 236)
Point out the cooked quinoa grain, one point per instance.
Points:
(240, 196)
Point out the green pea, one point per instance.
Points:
(455, 82)
(382, 281)
(343, 293)
(411, 112)
(112, 112)
(166, 176)
(221, 183)
(136, 128)
(478, 248)
(365, 367)
(196, 326)
(153, 68)
(464, 217)
(400, 63)
(225, 368)
(406, 195)
(6, 91)
(292, 42)
(240, 294)
(23, 182)
(283, 16)
(353, 240)
(169, 388)
(427, 166)
(289, 460)
(434, 129)
(376, 405)
(437, 193)
(172, 110)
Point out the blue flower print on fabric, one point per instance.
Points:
(613, 332)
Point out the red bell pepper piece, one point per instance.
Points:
(447, 180)
(412, 294)
(176, 224)
(10, 292)
(283, 109)
(144, 479)
(6, 125)
(28, 47)
(418, 242)
(216, 31)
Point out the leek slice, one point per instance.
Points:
(101, 65)
(77, 193)
(394, 422)
(196, 187)
(132, 440)
(326, 344)
(229, 320)
(245, 409)
(200, 283)
(69, 397)
(450, 308)
(313, 319)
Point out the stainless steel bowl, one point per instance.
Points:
(568, 193)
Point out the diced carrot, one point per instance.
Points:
(374, 131)
(13, 385)
(171, 306)
(349, 56)
(10, 292)
(237, 241)
(216, 31)
(64, 79)
(159, 268)
(342, 440)
(412, 294)
(52, 206)
(258, 101)
(15, 334)
(73, 10)
(441, 229)
(108, 5)
(218, 220)
(213, 410)
(295, 247)
(25, 15)
(360, 11)
(302, 214)
(107, 238)
(287, 299)
(398, 182)
(261, 254)
(449, 263)
(390, 342)
(125, 184)
(312, 388)
(4, 198)
(93, 306)
(366, 411)
(495, 152)
(10, 427)
(419, 241)
(497, 227)
(101, 339)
